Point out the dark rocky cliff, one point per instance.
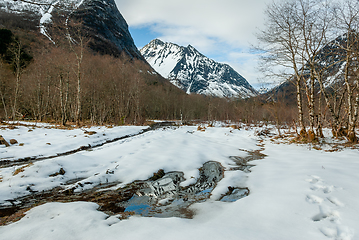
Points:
(107, 27)
(104, 24)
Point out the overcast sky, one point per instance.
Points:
(220, 29)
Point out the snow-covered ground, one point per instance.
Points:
(296, 192)
(41, 140)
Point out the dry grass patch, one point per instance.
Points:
(13, 217)
(200, 128)
(21, 169)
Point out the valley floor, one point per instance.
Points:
(296, 191)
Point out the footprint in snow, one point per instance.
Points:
(314, 179)
(338, 232)
(314, 199)
(328, 210)
(335, 201)
(319, 185)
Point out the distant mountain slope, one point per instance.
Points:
(104, 23)
(331, 58)
(193, 72)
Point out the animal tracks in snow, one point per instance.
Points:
(329, 209)
(314, 199)
(338, 232)
(335, 201)
(317, 184)
(326, 212)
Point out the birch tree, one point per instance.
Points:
(280, 42)
(347, 15)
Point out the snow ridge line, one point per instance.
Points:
(26, 160)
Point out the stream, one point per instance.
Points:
(159, 196)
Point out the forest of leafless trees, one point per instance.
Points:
(69, 83)
(318, 41)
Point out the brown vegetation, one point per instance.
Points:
(112, 90)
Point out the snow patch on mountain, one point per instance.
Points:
(102, 20)
(193, 72)
(46, 18)
(41, 8)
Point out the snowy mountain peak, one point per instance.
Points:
(191, 47)
(156, 42)
(188, 69)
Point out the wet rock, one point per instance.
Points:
(164, 187)
(165, 197)
(210, 174)
(234, 194)
(62, 171)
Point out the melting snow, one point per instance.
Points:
(295, 192)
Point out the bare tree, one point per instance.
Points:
(315, 20)
(299, 35)
(17, 67)
(64, 82)
(77, 40)
(281, 41)
(347, 15)
(2, 95)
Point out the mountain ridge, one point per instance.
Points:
(102, 19)
(193, 72)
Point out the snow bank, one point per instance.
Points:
(42, 142)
